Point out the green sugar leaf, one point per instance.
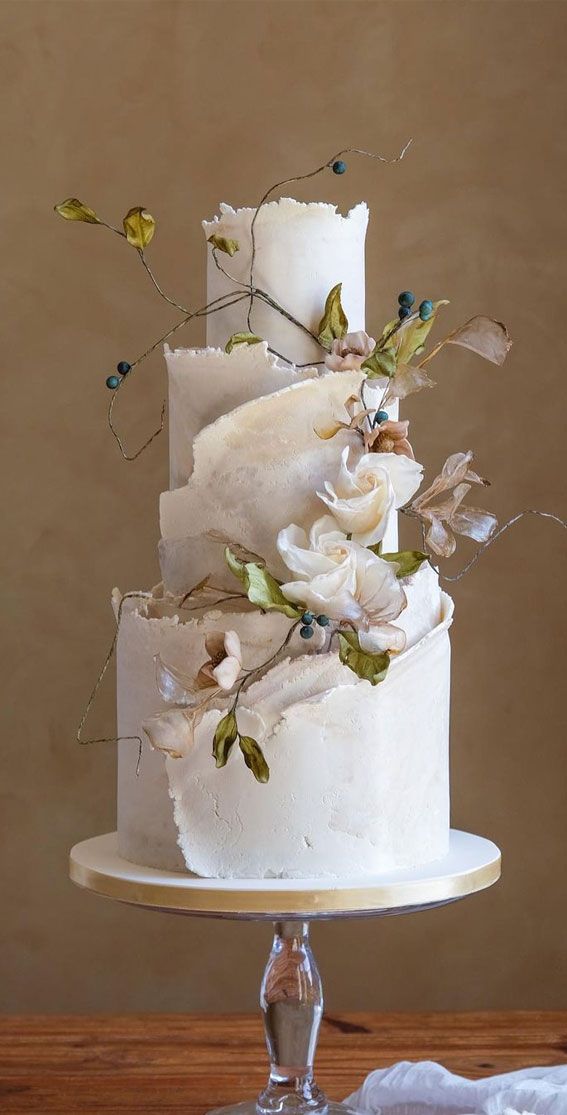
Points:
(242, 339)
(334, 323)
(261, 588)
(370, 667)
(408, 561)
(139, 226)
(411, 338)
(254, 758)
(264, 591)
(230, 247)
(74, 210)
(380, 364)
(225, 736)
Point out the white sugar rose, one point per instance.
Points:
(342, 580)
(361, 499)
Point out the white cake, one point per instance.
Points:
(358, 772)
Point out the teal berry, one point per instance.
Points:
(381, 416)
(123, 367)
(426, 309)
(403, 312)
(406, 298)
(323, 621)
(306, 632)
(307, 618)
(339, 167)
(112, 382)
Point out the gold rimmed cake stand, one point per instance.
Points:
(291, 994)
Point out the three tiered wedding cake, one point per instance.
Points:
(290, 677)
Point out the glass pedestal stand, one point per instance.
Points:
(291, 995)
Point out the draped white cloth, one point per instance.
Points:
(426, 1088)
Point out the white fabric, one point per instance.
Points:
(426, 1088)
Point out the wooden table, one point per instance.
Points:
(161, 1064)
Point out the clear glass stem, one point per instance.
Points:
(291, 999)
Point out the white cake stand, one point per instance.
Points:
(291, 995)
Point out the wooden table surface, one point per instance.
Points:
(189, 1063)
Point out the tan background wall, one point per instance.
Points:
(177, 106)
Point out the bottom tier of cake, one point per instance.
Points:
(359, 778)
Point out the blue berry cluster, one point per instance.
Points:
(406, 300)
(307, 620)
(123, 368)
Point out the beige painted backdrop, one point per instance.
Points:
(177, 106)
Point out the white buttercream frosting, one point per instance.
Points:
(205, 383)
(302, 251)
(256, 470)
(359, 774)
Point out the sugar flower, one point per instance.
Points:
(345, 581)
(225, 660)
(348, 353)
(389, 437)
(362, 497)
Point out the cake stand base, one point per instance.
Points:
(250, 1107)
(291, 994)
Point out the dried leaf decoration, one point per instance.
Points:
(408, 379)
(488, 338)
(334, 323)
(446, 517)
(254, 758)
(370, 667)
(139, 227)
(225, 737)
(230, 247)
(242, 339)
(74, 210)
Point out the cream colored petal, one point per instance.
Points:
(232, 645)
(171, 731)
(298, 557)
(383, 636)
(226, 672)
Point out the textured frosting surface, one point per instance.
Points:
(356, 787)
(358, 774)
(388, 744)
(256, 470)
(208, 382)
(302, 251)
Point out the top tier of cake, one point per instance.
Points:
(302, 251)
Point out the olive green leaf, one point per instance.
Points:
(261, 588)
(74, 210)
(411, 338)
(370, 667)
(264, 591)
(224, 245)
(139, 226)
(380, 364)
(242, 339)
(254, 758)
(225, 736)
(334, 323)
(483, 335)
(236, 566)
(408, 561)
